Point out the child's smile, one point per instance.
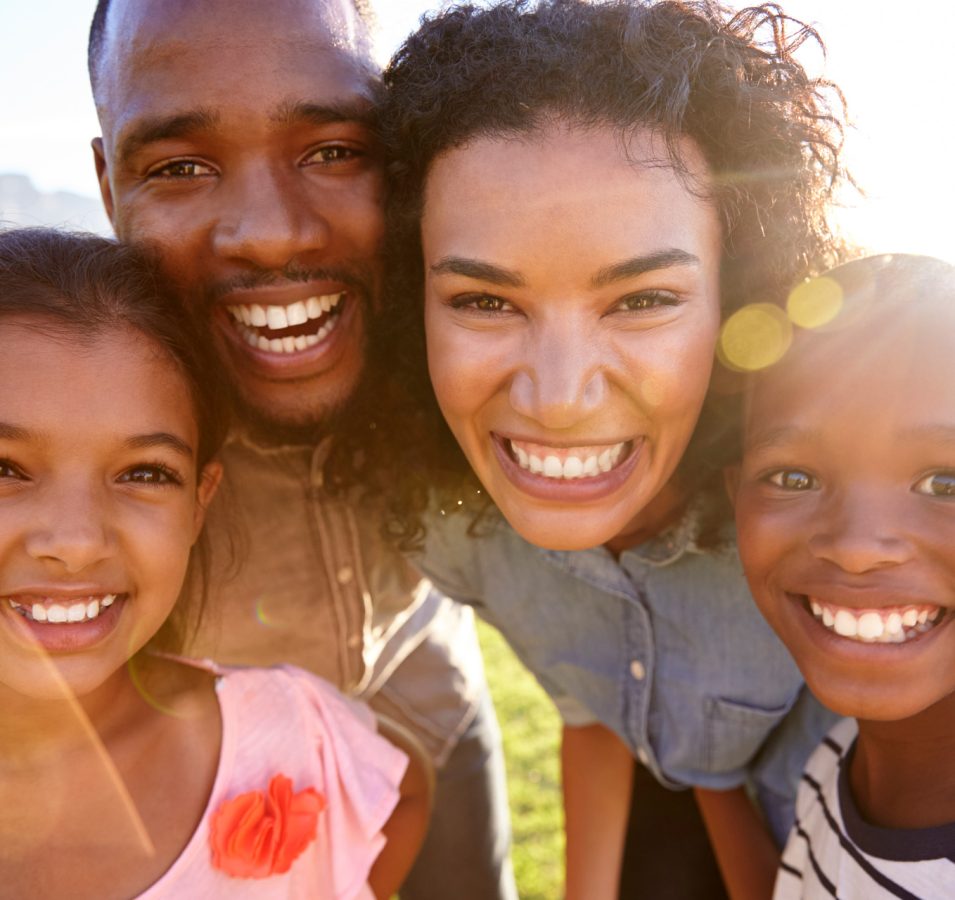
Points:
(67, 620)
(846, 508)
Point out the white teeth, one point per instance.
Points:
(300, 342)
(873, 626)
(257, 316)
(276, 345)
(314, 307)
(276, 317)
(287, 344)
(575, 465)
(297, 314)
(59, 613)
(845, 624)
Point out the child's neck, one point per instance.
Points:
(903, 772)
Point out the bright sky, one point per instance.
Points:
(891, 58)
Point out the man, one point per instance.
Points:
(238, 139)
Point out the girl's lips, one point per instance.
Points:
(565, 483)
(64, 624)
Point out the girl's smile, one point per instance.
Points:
(100, 501)
(571, 309)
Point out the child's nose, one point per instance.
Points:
(861, 533)
(70, 529)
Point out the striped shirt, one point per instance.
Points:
(833, 852)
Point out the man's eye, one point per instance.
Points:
(183, 168)
(334, 153)
(150, 474)
(647, 300)
(483, 303)
(792, 480)
(938, 484)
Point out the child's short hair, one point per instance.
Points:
(83, 286)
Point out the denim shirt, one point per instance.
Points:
(664, 646)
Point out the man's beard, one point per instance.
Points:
(361, 281)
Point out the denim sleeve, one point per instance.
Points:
(449, 558)
(774, 775)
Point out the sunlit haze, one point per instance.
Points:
(890, 59)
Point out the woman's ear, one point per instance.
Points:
(731, 482)
(209, 480)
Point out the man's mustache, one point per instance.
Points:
(358, 278)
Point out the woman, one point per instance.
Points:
(580, 193)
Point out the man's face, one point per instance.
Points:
(237, 138)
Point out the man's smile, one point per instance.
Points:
(288, 329)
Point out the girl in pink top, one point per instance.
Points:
(123, 771)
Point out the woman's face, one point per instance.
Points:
(572, 307)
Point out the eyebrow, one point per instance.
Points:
(13, 432)
(785, 434)
(160, 439)
(638, 265)
(306, 112)
(628, 268)
(164, 128)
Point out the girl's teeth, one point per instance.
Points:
(575, 464)
(875, 626)
(58, 613)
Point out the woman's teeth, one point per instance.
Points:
(77, 611)
(252, 320)
(893, 625)
(566, 462)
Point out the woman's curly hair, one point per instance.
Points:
(771, 136)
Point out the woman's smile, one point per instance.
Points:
(570, 347)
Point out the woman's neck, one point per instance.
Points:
(661, 512)
(903, 773)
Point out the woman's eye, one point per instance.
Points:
(647, 300)
(484, 303)
(792, 480)
(183, 168)
(938, 484)
(150, 474)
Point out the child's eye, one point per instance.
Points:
(647, 300)
(938, 484)
(481, 303)
(151, 473)
(792, 480)
(10, 470)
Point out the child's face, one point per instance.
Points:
(99, 502)
(846, 509)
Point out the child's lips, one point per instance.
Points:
(61, 623)
(56, 610)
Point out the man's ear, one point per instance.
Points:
(731, 481)
(102, 176)
(209, 480)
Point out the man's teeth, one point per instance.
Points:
(567, 462)
(78, 611)
(876, 626)
(275, 318)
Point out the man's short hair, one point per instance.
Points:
(97, 38)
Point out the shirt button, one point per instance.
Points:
(642, 756)
(354, 641)
(345, 574)
(637, 670)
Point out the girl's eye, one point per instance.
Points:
(183, 168)
(154, 473)
(483, 303)
(10, 470)
(938, 484)
(792, 480)
(647, 300)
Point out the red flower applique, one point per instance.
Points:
(258, 834)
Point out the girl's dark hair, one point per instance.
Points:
(729, 81)
(83, 286)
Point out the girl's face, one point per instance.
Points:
(846, 509)
(100, 502)
(571, 308)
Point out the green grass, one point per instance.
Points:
(531, 729)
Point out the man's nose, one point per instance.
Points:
(861, 531)
(561, 379)
(269, 219)
(70, 528)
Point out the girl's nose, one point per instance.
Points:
(70, 530)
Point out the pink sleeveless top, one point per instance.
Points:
(303, 788)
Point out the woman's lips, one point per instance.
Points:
(574, 473)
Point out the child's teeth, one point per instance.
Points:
(870, 626)
(875, 626)
(56, 613)
(81, 611)
(39, 612)
(845, 624)
(92, 609)
(910, 617)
